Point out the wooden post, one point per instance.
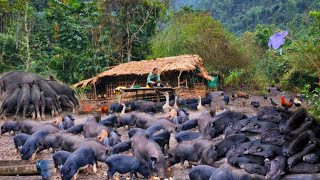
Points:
(136, 94)
(95, 91)
(158, 96)
(143, 94)
(179, 78)
(121, 94)
(118, 97)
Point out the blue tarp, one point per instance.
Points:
(277, 40)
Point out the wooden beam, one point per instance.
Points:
(18, 167)
(179, 78)
(95, 91)
(21, 177)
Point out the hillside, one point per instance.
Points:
(244, 15)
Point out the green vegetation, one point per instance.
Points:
(313, 100)
(245, 15)
(197, 33)
(74, 39)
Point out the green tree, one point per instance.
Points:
(131, 24)
(198, 33)
(14, 51)
(76, 39)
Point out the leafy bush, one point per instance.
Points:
(235, 78)
(313, 100)
(298, 79)
(249, 79)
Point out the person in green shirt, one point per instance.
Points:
(154, 78)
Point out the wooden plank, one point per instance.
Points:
(18, 167)
(21, 177)
(301, 176)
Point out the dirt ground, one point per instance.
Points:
(7, 150)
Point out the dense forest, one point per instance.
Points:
(74, 40)
(244, 15)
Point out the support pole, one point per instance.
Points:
(95, 91)
(179, 79)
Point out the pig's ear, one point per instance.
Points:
(153, 162)
(3, 86)
(99, 138)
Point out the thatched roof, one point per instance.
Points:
(144, 67)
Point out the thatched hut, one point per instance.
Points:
(186, 69)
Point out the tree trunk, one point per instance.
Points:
(27, 36)
(129, 44)
(17, 30)
(3, 50)
(129, 49)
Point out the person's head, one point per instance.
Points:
(155, 70)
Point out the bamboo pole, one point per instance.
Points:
(95, 91)
(179, 79)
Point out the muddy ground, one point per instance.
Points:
(7, 150)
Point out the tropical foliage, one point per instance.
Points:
(313, 100)
(197, 33)
(75, 39)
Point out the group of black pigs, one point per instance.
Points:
(33, 95)
(270, 145)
